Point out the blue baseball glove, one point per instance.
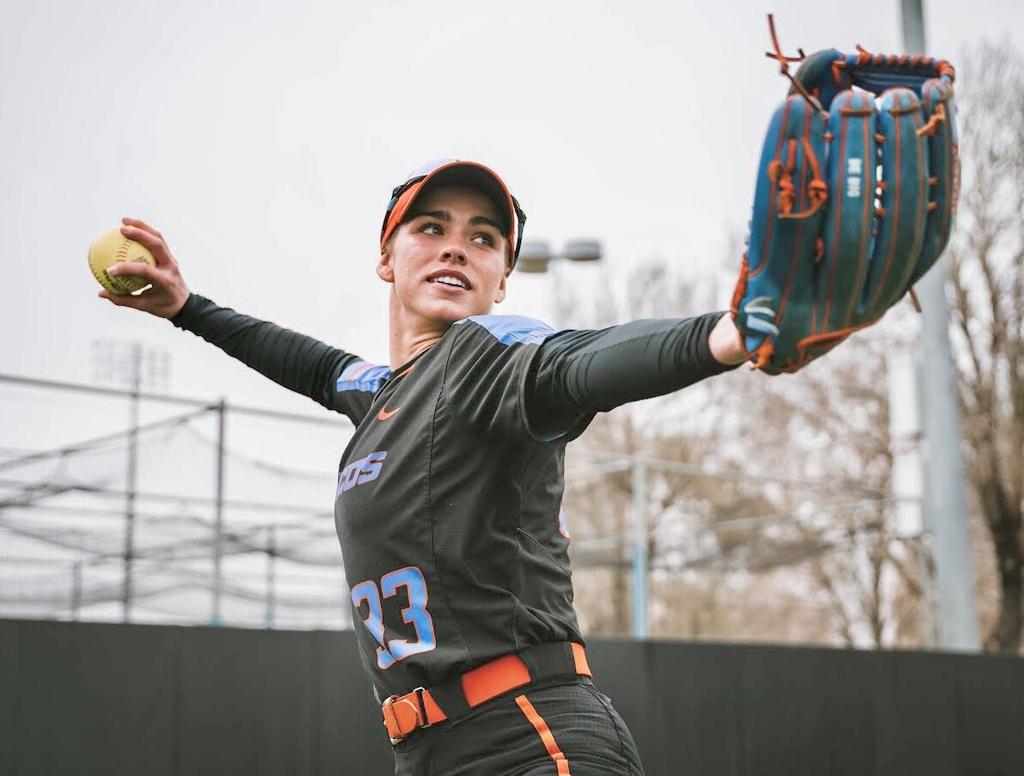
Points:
(855, 196)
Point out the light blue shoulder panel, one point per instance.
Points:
(512, 329)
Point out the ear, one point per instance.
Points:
(385, 269)
(500, 296)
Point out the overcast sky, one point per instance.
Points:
(263, 139)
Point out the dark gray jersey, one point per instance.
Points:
(448, 509)
(448, 504)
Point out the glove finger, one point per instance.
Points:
(944, 171)
(795, 245)
(824, 75)
(904, 201)
(849, 224)
(786, 220)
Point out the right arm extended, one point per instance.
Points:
(297, 362)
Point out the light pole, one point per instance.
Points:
(641, 563)
(535, 256)
(218, 514)
(946, 510)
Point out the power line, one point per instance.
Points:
(88, 444)
(240, 504)
(260, 463)
(724, 473)
(62, 385)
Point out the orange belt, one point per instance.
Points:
(419, 709)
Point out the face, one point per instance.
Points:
(448, 261)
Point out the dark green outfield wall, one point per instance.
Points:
(82, 699)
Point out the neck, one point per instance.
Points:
(408, 334)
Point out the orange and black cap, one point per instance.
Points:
(463, 173)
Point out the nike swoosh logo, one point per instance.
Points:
(384, 414)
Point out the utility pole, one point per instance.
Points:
(76, 589)
(218, 529)
(271, 559)
(946, 513)
(121, 362)
(908, 474)
(640, 560)
(135, 377)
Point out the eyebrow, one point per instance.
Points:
(444, 215)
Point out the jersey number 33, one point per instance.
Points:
(410, 579)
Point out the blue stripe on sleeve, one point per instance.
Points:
(362, 376)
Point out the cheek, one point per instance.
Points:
(494, 276)
(404, 266)
(404, 285)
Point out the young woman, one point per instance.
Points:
(449, 493)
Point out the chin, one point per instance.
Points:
(447, 312)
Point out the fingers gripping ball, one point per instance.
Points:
(112, 248)
(854, 200)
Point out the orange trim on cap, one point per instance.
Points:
(561, 763)
(409, 196)
(400, 209)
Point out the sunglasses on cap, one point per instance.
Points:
(473, 174)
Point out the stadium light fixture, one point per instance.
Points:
(536, 255)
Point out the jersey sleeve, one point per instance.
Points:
(579, 373)
(514, 375)
(333, 378)
(487, 369)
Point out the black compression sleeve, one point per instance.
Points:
(297, 362)
(582, 372)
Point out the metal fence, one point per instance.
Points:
(189, 511)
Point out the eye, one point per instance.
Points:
(431, 227)
(484, 238)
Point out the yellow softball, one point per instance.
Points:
(112, 248)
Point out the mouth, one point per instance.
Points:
(449, 279)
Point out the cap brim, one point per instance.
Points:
(457, 173)
(476, 177)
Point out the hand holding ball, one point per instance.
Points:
(112, 248)
(135, 257)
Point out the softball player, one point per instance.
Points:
(449, 492)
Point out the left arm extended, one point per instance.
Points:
(579, 373)
(726, 343)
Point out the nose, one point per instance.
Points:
(454, 252)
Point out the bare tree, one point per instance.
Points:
(831, 424)
(746, 557)
(986, 286)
